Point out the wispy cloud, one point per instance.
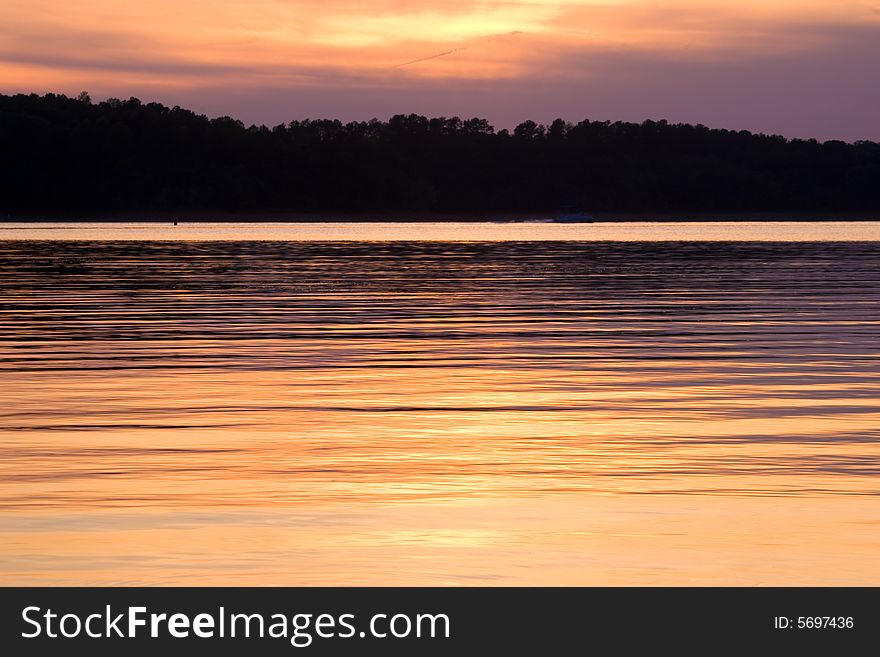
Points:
(493, 56)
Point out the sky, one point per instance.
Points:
(802, 68)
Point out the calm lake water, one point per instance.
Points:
(635, 231)
(284, 411)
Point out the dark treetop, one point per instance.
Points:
(70, 156)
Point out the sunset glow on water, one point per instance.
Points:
(439, 412)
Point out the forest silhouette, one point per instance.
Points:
(64, 155)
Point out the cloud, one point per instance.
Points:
(798, 67)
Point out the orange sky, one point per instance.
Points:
(797, 67)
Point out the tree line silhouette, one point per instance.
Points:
(63, 155)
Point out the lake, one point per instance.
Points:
(430, 404)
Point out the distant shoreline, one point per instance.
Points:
(121, 160)
(205, 216)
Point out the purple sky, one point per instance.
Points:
(806, 68)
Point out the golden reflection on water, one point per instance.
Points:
(439, 413)
(450, 231)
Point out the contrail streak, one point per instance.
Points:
(424, 59)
